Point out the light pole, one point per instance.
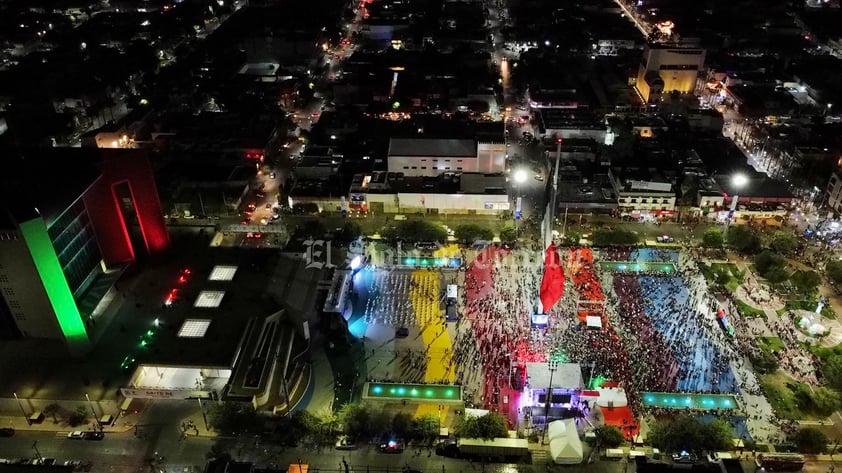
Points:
(91, 404)
(22, 411)
(738, 181)
(552, 364)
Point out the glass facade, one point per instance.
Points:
(76, 246)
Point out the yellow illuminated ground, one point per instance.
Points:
(424, 296)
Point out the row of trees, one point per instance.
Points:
(745, 240)
(618, 236)
(489, 426)
(362, 422)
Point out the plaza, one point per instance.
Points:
(660, 345)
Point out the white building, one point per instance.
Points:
(640, 198)
(834, 191)
(431, 157)
(668, 67)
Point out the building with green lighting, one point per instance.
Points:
(71, 220)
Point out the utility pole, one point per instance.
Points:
(202, 410)
(37, 453)
(93, 411)
(22, 411)
(552, 365)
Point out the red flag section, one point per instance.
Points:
(552, 284)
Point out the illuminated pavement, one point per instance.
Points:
(636, 267)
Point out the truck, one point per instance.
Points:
(502, 449)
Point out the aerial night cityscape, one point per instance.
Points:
(420, 236)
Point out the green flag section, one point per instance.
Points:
(58, 291)
(689, 401)
(413, 392)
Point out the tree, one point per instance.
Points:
(470, 232)
(425, 428)
(233, 418)
(765, 363)
(614, 237)
(743, 239)
(768, 261)
(608, 436)
(832, 371)
(722, 277)
(349, 232)
(810, 440)
(687, 433)
(297, 427)
(834, 271)
(825, 401)
(806, 281)
(355, 419)
(508, 234)
(414, 231)
(402, 424)
(488, 426)
(52, 409)
(776, 275)
(78, 417)
(713, 239)
(309, 229)
(783, 242)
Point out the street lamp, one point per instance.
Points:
(93, 411)
(520, 176)
(738, 181)
(22, 411)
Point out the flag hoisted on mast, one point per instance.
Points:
(552, 284)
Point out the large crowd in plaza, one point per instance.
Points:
(659, 330)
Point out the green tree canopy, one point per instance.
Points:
(415, 231)
(810, 440)
(783, 242)
(608, 436)
(743, 239)
(489, 426)
(832, 371)
(765, 363)
(768, 261)
(402, 424)
(350, 231)
(834, 271)
(470, 232)
(614, 237)
(776, 275)
(233, 418)
(508, 234)
(425, 427)
(687, 433)
(713, 239)
(806, 281)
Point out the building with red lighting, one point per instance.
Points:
(71, 220)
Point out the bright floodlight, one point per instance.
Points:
(739, 180)
(520, 176)
(356, 262)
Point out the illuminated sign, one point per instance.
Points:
(431, 262)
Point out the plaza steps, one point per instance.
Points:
(540, 456)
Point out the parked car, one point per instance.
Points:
(346, 443)
(94, 435)
(7, 432)
(76, 435)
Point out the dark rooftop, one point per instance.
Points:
(48, 180)
(432, 147)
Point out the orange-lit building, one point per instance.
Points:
(668, 67)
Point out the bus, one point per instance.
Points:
(779, 461)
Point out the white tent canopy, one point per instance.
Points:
(565, 445)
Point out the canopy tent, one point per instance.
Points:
(565, 376)
(565, 445)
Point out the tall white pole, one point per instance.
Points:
(548, 227)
